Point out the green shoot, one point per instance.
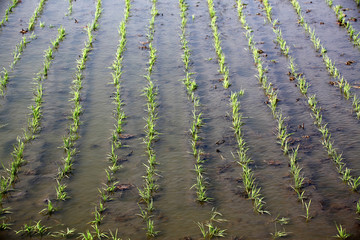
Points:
(64, 233)
(209, 230)
(342, 234)
(279, 233)
(50, 208)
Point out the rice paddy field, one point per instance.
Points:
(179, 119)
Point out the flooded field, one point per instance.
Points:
(179, 119)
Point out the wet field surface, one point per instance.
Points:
(329, 198)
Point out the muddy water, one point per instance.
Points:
(177, 212)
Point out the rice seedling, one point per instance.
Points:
(39, 9)
(75, 99)
(344, 23)
(8, 11)
(342, 234)
(209, 230)
(303, 85)
(248, 179)
(86, 236)
(282, 43)
(150, 228)
(19, 48)
(358, 207)
(223, 69)
(110, 188)
(70, 8)
(200, 186)
(4, 76)
(298, 179)
(197, 123)
(50, 208)
(354, 183)
(5, 226)
(102, 208)
(98, 217)
(282, 134)
(114, 236)
(356, 106)
(33, 230)
(282, 220)
(4, 211)
(34, 120)
(4, 185)
(27, 230)
(4, 79)
(322, 127)
(60, 191)
(279, 233)
(143, 213)
(104, 196)
(307, 207)
(340, 82)
(150, 92)
(64, 233)
(268, 9)
(66, 169)
(328, 144)
(98, 233)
